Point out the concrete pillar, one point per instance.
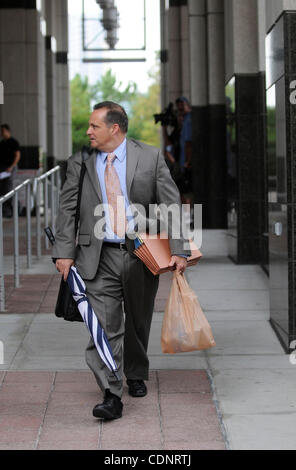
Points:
(199, 98)
(215, 210)
(246, 132)
(241, 35)
(206, 26)
(174, 51)
(281, 115)
(215, 52)
(64, 134)
(164, 54)
(22, 70)
(198, 53)
(175, 57)
(261, 25)
(51, 83)
(184, 46)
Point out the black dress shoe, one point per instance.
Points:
(111, 408)
(136, 388)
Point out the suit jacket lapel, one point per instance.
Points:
(132, 156)
(90, 164)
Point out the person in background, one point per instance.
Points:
(9, 157)
(184, 110)
(185, 185)
(171, 140)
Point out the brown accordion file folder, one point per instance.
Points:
(155, 252)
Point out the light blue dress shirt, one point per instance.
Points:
(120, 166)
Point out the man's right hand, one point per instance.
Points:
(63, 266)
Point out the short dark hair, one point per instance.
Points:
(115, 115)
(182, 99)
(5, 126)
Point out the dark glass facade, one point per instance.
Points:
(281, 71)
(246, 157)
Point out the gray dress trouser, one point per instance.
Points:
(122, 280)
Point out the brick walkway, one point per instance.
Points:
(8, 241)
(47, 392)
(38, 293)
(53, 410)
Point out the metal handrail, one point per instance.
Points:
(54, 175)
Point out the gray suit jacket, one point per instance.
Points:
(148, 182)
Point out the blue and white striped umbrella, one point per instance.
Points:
(78, 290)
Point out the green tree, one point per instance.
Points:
(142, 126)
(140, 107)
(81, 108)
(84, 95)
(108, 89)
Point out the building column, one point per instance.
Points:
(174, 51)
(184, 46)
(245, 78)
(199, 101)
(51, 84)
(215, 210)
(64, 127)
(22, 71)
(281, 117)
(164, 55)
(199, 97)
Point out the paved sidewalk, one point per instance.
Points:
(38, 293)
(241, 393)
(8, 242)
(52, 410)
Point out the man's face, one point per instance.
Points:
(100, 135)
(183, 108)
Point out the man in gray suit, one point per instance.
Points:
(103, 252)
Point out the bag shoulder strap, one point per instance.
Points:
(84, 156)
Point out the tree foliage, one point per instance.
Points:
(108, 89)
(81, 109)
(140, 107)
(142, 126)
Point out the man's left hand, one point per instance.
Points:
(179, 262)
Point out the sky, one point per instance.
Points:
(130, 33)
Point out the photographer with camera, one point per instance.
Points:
(178, 147)
(171, 127)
